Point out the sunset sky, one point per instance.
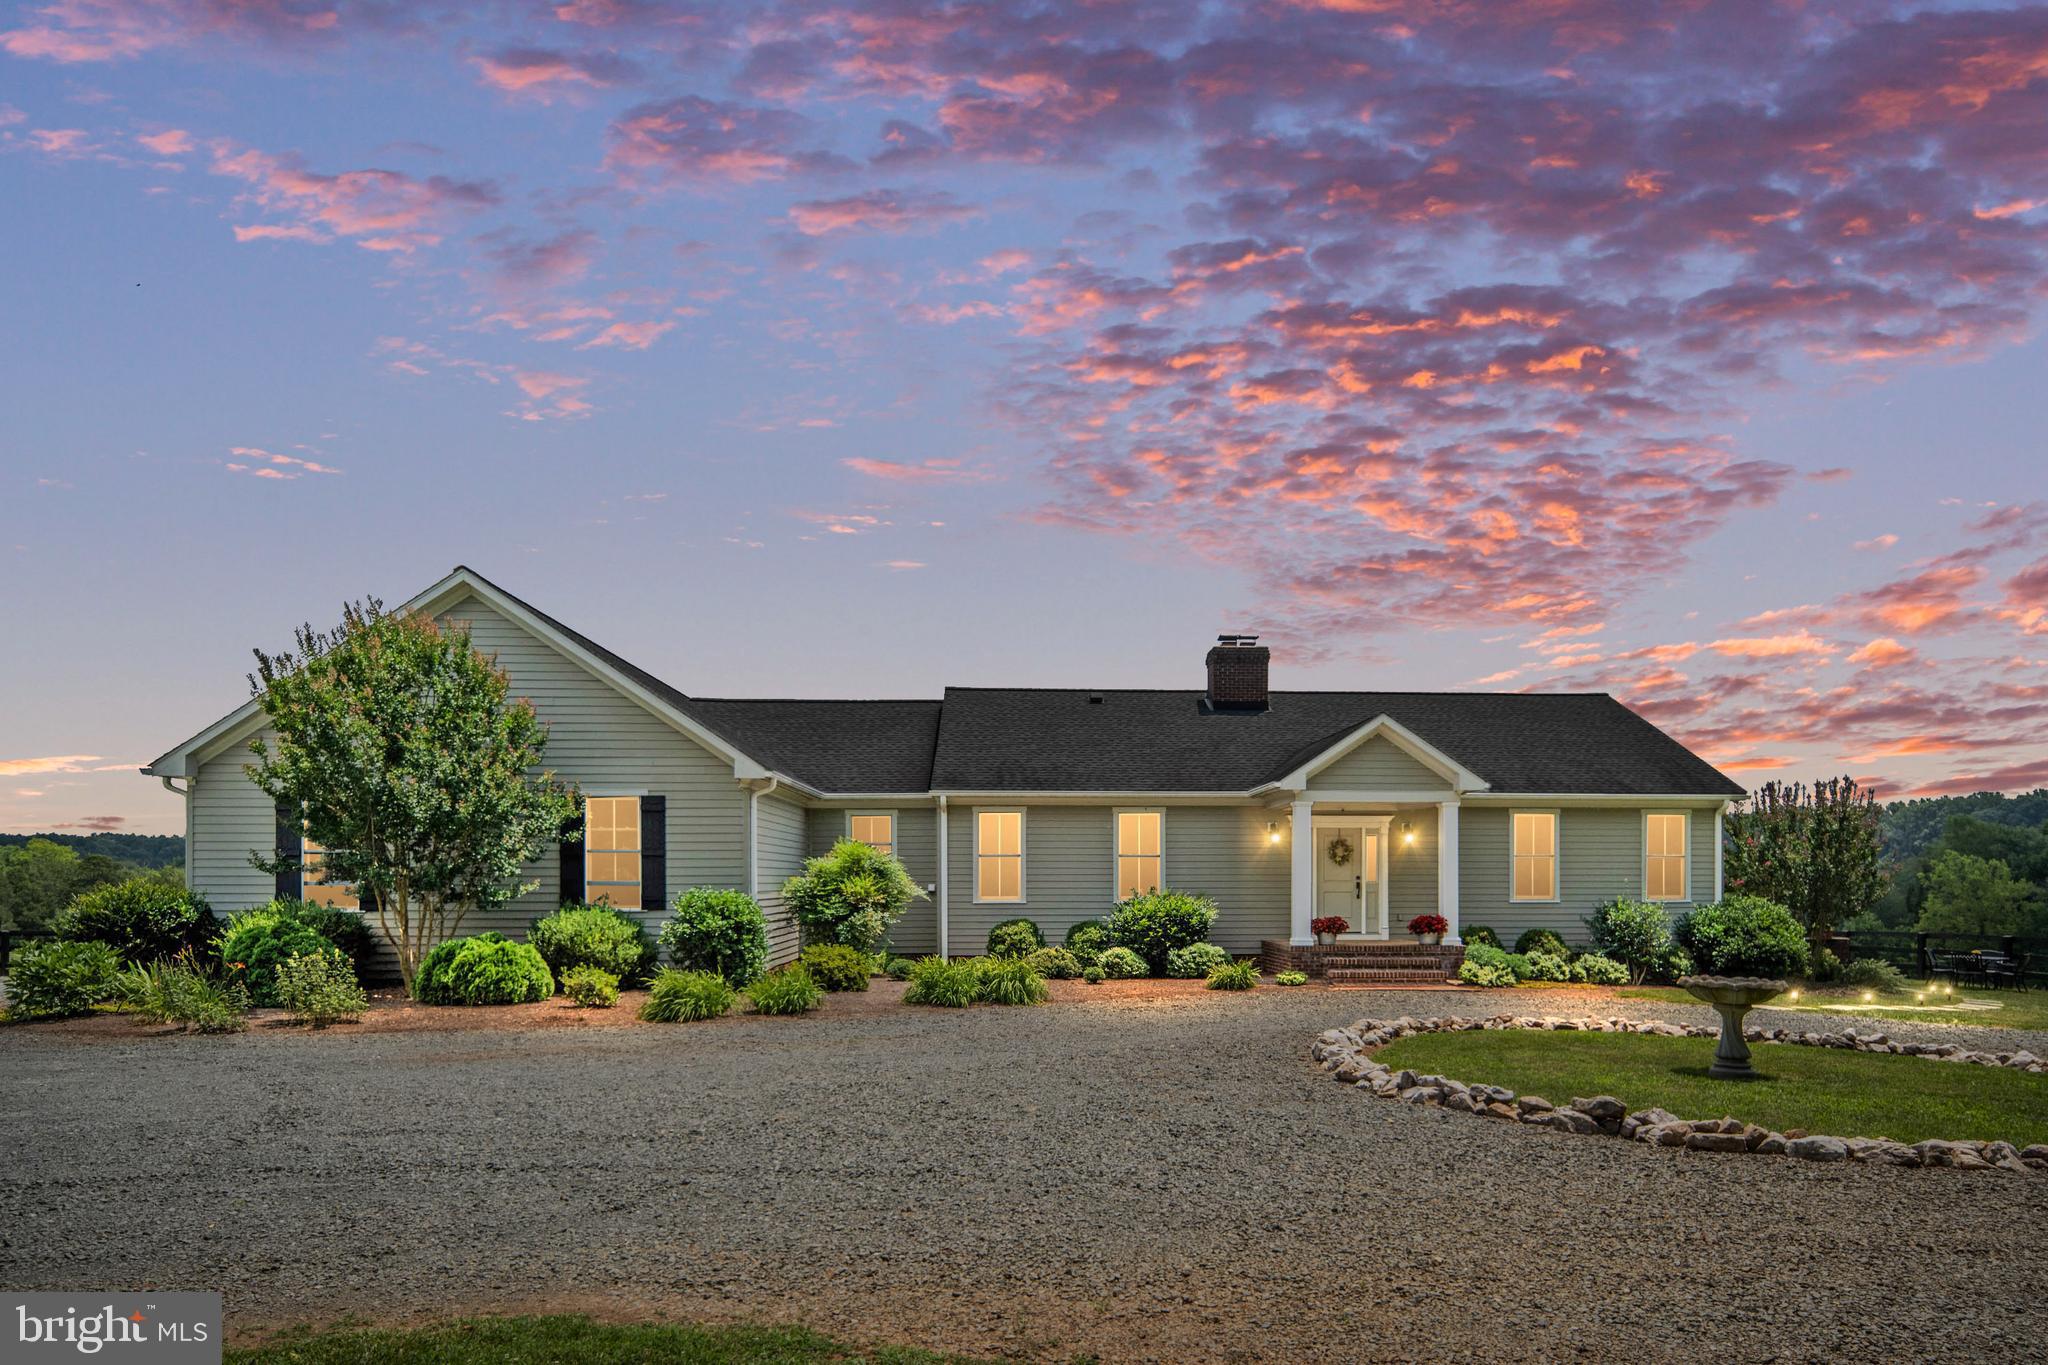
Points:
(1681, 350)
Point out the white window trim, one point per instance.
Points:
(1116, 851)
(1023, 852)
(1556, 856)
(1685, 858)
(639, 852)
(895, 829)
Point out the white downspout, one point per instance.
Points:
(754, 795)
(185, 795)
(943, 879)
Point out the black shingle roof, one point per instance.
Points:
(1054, 739)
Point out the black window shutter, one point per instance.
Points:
(572, 860)
(290, 878)
(653, 853)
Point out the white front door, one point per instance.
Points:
(1340, 874)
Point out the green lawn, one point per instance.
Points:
(1822, 1090)
(574, 1341)
(1978, 1009)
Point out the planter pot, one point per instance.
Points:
(1325, 940)
(1430, 940)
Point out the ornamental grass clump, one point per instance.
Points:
(714, 929)
(52, 979)
(937, 981)
(792, 990)
(1234, 976)
(836, 967)
(1010, 981)
(184, 991)
(320, 988)
(851, 896)
(599, 936)
(1152, 925)
(687, 997)
(1873, 973)
(591, 988)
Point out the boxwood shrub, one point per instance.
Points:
(591, 987)
(898, 968)
(678, 997)
(599, 936)
(1479, 933)
(1152, 925)
(1195, 961)
(259, 941)
(488, 969)
(1291, 979)
(836, 967)
(1743, 936)
(1014, 938)
(716, 930)
(1597, 969)
(1092, 975)
(1055, 964)
(1494, 975)
(1087, 938)
(1548, 967)
(141, 919)
(52, 979)
(1541, 941)
(1637, 934)
(1121, 964)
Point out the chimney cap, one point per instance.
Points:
(1237, 641)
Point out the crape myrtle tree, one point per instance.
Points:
(414, 772)
(1814, 850)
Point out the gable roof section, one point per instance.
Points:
(1384, 726)
(1027, 739)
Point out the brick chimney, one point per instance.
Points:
(1237, 673)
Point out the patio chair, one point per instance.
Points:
(1968, 969)
(2009, 972)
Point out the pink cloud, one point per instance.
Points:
(1772, 646)
(629, 336)
(170, 142)
(382, 210)
(542, 73)
(75, 31)
(896, 471)
(1884, 652)
(258, 463)
(879, 211)
(693, 138)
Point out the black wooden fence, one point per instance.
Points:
(1914, 953)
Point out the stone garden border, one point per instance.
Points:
(1343, 1052)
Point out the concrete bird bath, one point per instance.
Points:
(1732, 998)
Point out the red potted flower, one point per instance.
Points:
(1327, 927)
(1429, 928)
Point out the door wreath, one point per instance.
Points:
(1340, 851)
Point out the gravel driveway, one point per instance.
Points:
(1161, 1179)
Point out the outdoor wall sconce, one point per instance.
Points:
(1272, 831)
(1408, 832)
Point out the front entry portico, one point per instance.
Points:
(1345, 862)
(1351, 881)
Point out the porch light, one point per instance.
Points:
(1408, 832)
(1272, 831)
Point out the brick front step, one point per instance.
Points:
(1378, 964)
(1383, 976)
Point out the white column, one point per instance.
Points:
(942, 876)
(1447, 867)
(1302, 902)
(1718, 812)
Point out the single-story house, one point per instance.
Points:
(1511, 810)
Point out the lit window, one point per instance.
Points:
(1664, 856)
(313, 883)
(999, 855)
(878, 832)
(1137, 852)
(611, 850)
(1535, 855)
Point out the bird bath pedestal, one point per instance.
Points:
(1732, 997)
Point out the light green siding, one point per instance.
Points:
(231, 818)
(917, 846)
(1379, 764)
(1600, 856)
(1411, 869)
(1223, 852)
(780, 851)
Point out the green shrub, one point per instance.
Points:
(1479, 933)
(898, 968)
(1014, 938)
(1637, 934)
(1545, 967)
(52, 979)
(1743, 936)
(936, 981)
(1873, 973)
(599, 936)
(1494, 975)
(1010, 981)
(1055, 964)
(1673, 963)
(141, 919)
(1091, 975)
(591, 987)
(1234, 976)
(851, 895)
(1532, 941)
(1087, 938)
(1291, 979)
(488, 969)
(1596, 969)
(320, 987)
(1824, 967)
(1195, 961)
(1155, 923)
(345, 929)
(1494, 959)
(677, 997)
(716, 930)
(1121, 964)
(184, 991)
(259, 941)
(836, 967)
(792, 990)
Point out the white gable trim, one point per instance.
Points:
(1461, 778)
(450, 591)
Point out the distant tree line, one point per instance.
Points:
(41, 873)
